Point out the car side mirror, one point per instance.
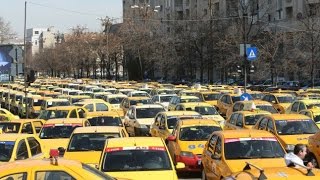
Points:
(180, 165)
(171, 138)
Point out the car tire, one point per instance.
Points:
(203, 175)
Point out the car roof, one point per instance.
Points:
(179, 113)
(191, 122)
(97, 129)
(193, 104)
(288, 116)
(65, 121)
(104, 113)
(13, 136)
(242, 133)
(63, 107)
(23, 120)
(148, 106)
(30, 163)
(134, 141)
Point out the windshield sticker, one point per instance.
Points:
(49, 103)
(229, 140)
(154, 148)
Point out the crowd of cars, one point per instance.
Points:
(84, 129)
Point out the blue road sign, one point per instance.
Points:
(245, 97)
(252, 53)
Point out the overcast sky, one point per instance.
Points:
(62, 14)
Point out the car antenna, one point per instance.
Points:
(262, 176)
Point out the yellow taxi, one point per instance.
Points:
(209, 97)
(6, 115)
(54, 168)
(35, 105)
(313, 113)
(164, 122)
(130, 101)
(290, 129)
(302, 104)
(280, 101)
(226, 101)
(47, 103)
(187, 140)
(307, 95)
(138, 158)
(251, 105)
(314, 148)
(244, 119)
(14, 104)
(105, 118)
(76, 98)
(228, 152)
(86, 143)
(181, 99)
(206, 110)
(94, 105)
(22, 126)
(19, 146)
(63, 112)
(55, 133)
(114, 99)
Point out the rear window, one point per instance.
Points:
(105, 121)
(90, 141)
(136, 159)
(10, 127)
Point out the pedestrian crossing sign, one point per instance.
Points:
(252, 53)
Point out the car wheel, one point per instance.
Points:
(203, 175)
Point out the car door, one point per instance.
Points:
(217, 164)
(294, 107)
(34, 146)
(22, 150)
(207, 159)
(154, 130)
(162, 127)
(172, 145)
(37, 125)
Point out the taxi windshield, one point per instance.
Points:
(147, 112)
(105, 121)
(165, 98)
(37, 102)
(257, 95)
(251, 119)
(73, 93)
(55, 131)
(53, 114)
(236, 148)
(190, 100)
(211, 97)
(285, 99)
(268, 108)
(299, 126)
(8, 127)
(206, 110)
(139, 95)
(136, 160)
(141, 101)
(18, 97)
(197, 133)
(235, 98)
(6, 148)
(116, 100)
(58, 103)
(90, 141)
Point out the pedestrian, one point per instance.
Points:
(296, 157)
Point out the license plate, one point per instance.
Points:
(199, 162)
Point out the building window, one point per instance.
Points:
(205, 12)
(36, 42)
(36, 32)
(289, 12)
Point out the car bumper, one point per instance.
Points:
(193, 164)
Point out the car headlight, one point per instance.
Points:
(290, 147)
(186, 153)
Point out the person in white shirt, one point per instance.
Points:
(296, 157)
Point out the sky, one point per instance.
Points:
(61, 14)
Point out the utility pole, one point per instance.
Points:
(25, 60)
(244, 16)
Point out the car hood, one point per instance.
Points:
(238, 165)
(277, 173)
(87, 157)
(196, 147)
(295, 139)
(138, 175)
